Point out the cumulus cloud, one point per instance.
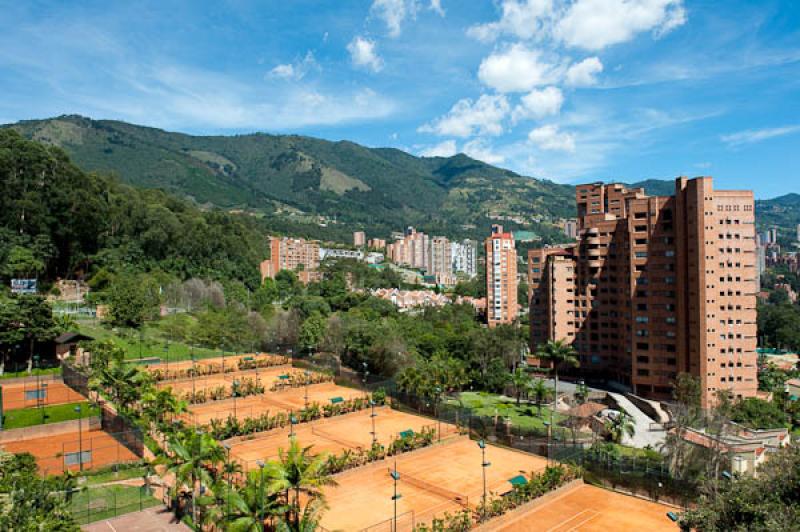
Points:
(549, 137)
(584, 74)
(538, 104)
(751, 136)
(436, 6)
(521, 19)
(484, 116)
(446, 148)
(481, 150)
(363, 54)
(394, 12)
(295, 71)
(516, 68)
(598, 24)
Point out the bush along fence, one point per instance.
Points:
(406, 442)
(534, 486)
(243, 387)
(298, 379)
(232, 427)
(202, 369)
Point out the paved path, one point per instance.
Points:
(644, 436)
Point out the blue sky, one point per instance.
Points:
(569, 90)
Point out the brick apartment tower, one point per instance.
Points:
(655, 286)
(501, 277)
(292, 254)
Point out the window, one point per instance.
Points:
(34, 395)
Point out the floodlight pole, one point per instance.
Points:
(80, 437)
(235, 392)
(230, 479)
(373, 415)
(484, 465)
(308, 378)
(194, 370)
(261, 495)
(292, 421)
(549, 428)
(395, 477)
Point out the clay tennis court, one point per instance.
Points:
(588, 508)
(57, 452)
(450, 472)
(293, 399)
(266, 377)
(24, 394)
(333, 435)
(228, 361)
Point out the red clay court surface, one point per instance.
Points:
(266, 376)
(588, 508)
(50, 451)
(292, 399)
(334, 435)
(23, 395)
(363, 497)
(230, 361)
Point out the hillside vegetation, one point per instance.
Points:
(293, 180)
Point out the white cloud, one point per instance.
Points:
(516, 69)
(522, 19)
(481, 150)
(394, 12)
(436, 6)
(295, 71)
(446, 148)
(550, 138)
(485, 116)
(363, 54)
(597, 24)
(584, 74)
(538, 104)
(750, 136)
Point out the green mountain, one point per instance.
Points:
(295, 180)
(656, 187)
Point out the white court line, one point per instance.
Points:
(563, 523)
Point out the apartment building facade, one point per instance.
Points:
(296, 254)
(465, 258)
(501, 277)
(653, 287)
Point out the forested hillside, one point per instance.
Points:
(295, 181)
(57, 220)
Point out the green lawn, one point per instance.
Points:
(525, 416)
(28, 417)
(109, 475)
(105, 502)
(24, 373)
(149, 345)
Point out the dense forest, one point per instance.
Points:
(56, 221)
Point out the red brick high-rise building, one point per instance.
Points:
(501, 277)
(655, 286)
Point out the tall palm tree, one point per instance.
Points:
(520, 379)
(539, 390)
(617, 427)
(250, 505)
(558, 353)
(158, 405)
(309, 521)
(299, 471)
(192, 455)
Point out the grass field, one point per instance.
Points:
(110, 475)
(34, 372)
(28, 417)
(526, 415)
(104, 502)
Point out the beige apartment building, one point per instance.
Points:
(654, 286)
(359, 239)
(501, 277)
(296, 254)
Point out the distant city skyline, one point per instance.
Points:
(573, 91)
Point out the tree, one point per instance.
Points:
(617, 427)
(11, 333)
(35, 321)
(133, 299)
(191, 455)
(312, 332)
(521, 380)
(252, 504)
(558, 353)
(540, 391)
(124, 383)
(299, 472)
(756, 413)
(22, 262)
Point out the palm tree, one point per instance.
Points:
(157, 405)
(192, 455)
(558, 353)
(521, 380)
(617, 427)
(122, 382)
(309, 521)
(251, 505)
(540, 391)
(299, 471)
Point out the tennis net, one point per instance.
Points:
(456, 497)
(341, 441)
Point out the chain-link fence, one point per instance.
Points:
(94, 503)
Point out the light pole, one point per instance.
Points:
(194, 370)
(80, 437)
(235, 392)
(484, 465)
(261, 465)
(373, 415)
(308, 379)
(166, 353)
(395, 477)
(38, 385)
(230, 479)
(292, 422)
(549, 428)
(436, 412)
(366, 373)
